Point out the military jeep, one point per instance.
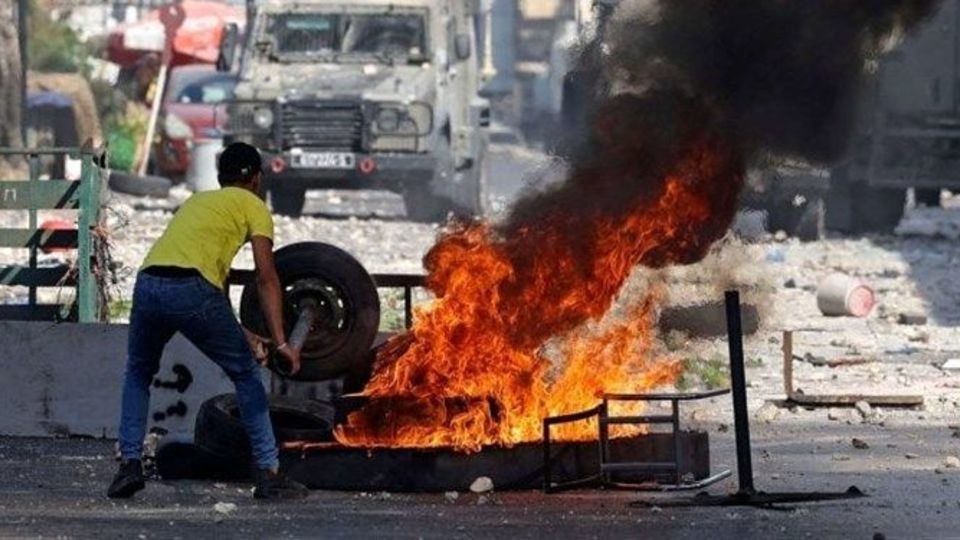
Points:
(366, 94)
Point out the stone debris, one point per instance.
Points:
(859, 444)
(951, 462)
(224, 508)
(767, 413)
(912, 319)
(482, 484)
(841, 457)
(864, 408)
(911, 455)
(451, 496)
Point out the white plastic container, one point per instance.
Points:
(202, 173)
(842, 295)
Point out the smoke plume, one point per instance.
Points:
(780, 77)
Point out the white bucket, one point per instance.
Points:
(840, 294)
(202, 173)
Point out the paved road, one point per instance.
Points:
(55, 487)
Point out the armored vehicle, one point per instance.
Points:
(365, 94)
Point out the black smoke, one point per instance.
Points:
(769, 77)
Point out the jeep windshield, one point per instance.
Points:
(347, 37)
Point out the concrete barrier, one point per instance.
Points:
(65, 380)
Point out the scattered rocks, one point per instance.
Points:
(864, 408)
(767, 413)
(911, 455)
(451, 496)
(483, 500)
(841, 457)
(912, 319)
(951, 462)
(482, 484)
(224, 508)
(859, 444)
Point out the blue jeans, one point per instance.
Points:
(190, 305)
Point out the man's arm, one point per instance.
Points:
(271, 297)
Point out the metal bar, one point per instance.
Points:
(604, 441)
(24, 276)
(55, 194)
(676, 437)
(739, 386)
(41, 238)
(308, 314)
(639, 466)
(653, 486)
(648, 419)
(23, 20)
(44, 151)
(547, 461)
(573, 417)
(408, 307)
(788, 364)
(34, 164)
(687, 396)
(86, 287)
(24, 312)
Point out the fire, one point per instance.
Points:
(513, 335)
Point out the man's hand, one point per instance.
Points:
(258, 346)
(293, 358)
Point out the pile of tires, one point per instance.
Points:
(221, 448)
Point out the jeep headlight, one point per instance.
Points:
(263, 118)
(388, 120)
(403, 120)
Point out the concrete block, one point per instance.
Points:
(66, 380)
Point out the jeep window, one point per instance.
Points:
(303, 33)
(200, 87)
(389, 37)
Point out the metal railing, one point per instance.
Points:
(606, 466)
(33, 195)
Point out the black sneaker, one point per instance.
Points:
(129, 480)
(274, 485)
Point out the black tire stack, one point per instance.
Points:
(339, 346)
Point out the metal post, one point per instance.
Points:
(739, 390)
(408, 307)
(602, 417)
(86, 285)
(675, 420)
(23, 31)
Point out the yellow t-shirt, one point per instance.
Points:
(208, 230)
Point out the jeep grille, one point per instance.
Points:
(318, 124)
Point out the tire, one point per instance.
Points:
(855, 207)
(929, 197)
(349, 319)
(877, 209)
(218, 429)
(810, 224)
(288, 201)
(141, 186)
(179, 460)
(423, 206)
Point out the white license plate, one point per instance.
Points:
(324, 160)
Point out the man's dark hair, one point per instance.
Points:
(239, 163)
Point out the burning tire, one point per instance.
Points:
(348, 315)
(218, 428)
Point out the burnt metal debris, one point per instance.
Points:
(746, 494)
(660, 475)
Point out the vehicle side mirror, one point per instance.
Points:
(228, 47)
(461, 46)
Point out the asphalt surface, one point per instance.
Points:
(56, 488)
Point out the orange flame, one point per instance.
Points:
(475, 369)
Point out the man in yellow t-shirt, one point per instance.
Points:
(180, 289)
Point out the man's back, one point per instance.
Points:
(209, 229)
